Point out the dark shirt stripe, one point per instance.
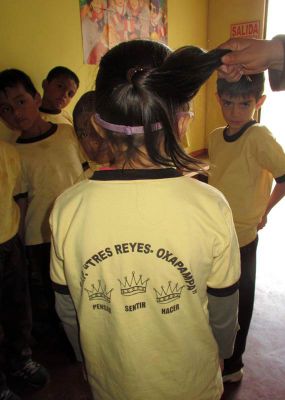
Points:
(224, 292)
(62, 289)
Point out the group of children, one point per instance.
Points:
(45, 160)
(144, 258)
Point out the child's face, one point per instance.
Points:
(237, 111)
(18, 108)
(58, 92)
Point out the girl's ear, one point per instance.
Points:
(260, 102)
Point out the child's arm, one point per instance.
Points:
(65, 310)
(277, 194)
(223, 320)
(223, 284)
(63, 302)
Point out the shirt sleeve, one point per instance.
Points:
(223, 285)
(277, 78)
(268, 153)
(56, 261)
(225, 273)
(17, 172)
(223, 319)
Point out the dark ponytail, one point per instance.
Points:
(140, 83)
(183, 73)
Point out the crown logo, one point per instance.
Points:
(172, 293)
(133, 285)
(99, 293)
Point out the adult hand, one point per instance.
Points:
(250, 56)
(262, 223)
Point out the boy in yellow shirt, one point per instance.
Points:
(244, 157)
(51, 162)
(59, 87)
(15, 307)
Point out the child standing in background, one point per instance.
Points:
(15, 307)
(50, 156)
(243, 159)
(59, 87)
(149, 256)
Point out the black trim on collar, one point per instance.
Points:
(134, 174)
(48, 111)
(237, 135)
(42, 136)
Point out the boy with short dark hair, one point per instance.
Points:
(51, 162)
(244, 157)
(15, 307)
(59, 87)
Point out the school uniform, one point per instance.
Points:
(141, 252)
(242, 167)
(51, 162)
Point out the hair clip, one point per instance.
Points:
(127, 130)
(132, 71)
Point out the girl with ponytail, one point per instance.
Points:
(149, 256)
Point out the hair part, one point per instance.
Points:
(10, 78)
(248, 85)
(60, 71)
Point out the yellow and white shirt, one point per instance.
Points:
(242, 167)
(51, 163)
(10, 172)
(7, 134)
(139, 251)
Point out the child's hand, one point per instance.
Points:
(262, 223)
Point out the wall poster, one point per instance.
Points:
(105, 23)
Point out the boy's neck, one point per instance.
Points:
(46, 105)
(39, 127)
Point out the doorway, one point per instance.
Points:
(272, 112)
(271, 243)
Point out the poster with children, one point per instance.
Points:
(105, 23)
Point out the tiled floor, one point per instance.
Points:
(264, 377)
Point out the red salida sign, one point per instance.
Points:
(246, 30)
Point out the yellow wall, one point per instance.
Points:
(36, 35)
(188, 25)
(223, 13)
